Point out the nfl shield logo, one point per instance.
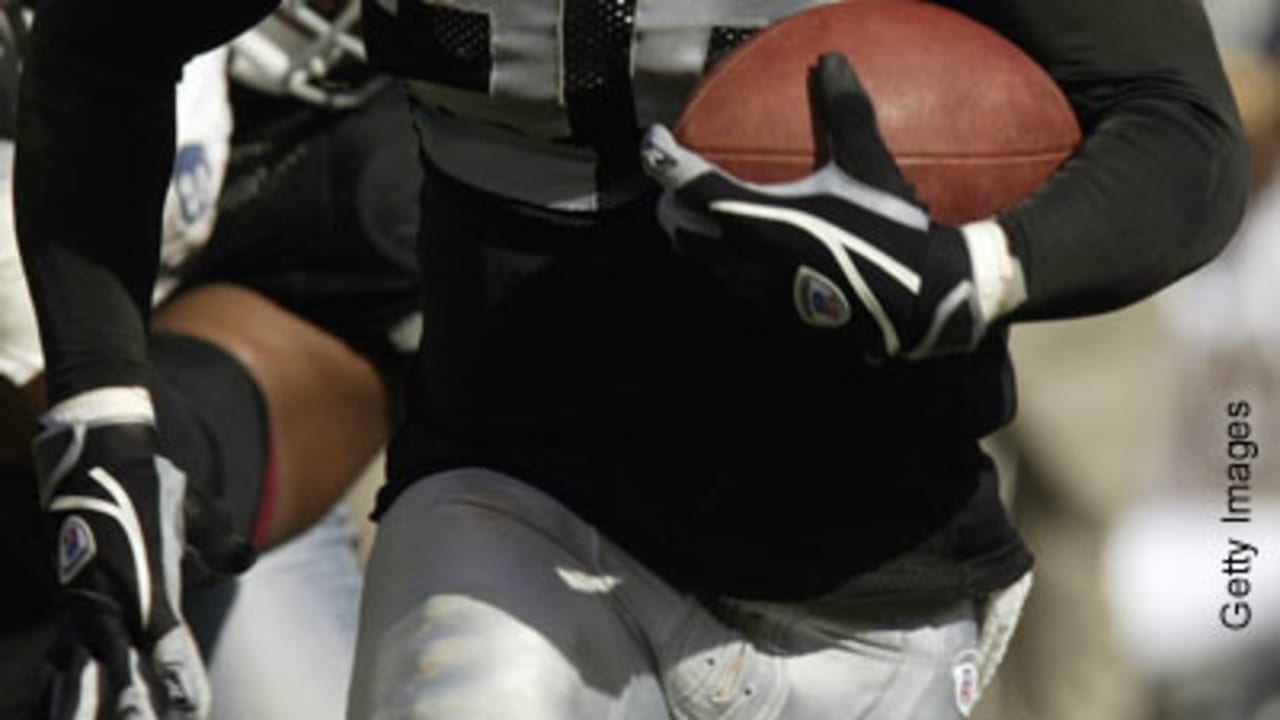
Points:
(964, 676)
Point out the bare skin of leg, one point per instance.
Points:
(326, 404)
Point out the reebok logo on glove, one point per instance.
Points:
(819, 301)
(76, 547)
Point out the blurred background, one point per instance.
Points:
(1117, 470)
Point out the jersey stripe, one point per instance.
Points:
(597, 91)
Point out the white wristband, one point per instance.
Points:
(997, 274)
(130, 404)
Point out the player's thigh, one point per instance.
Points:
(473, 612)
(326, 403)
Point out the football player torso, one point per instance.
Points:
(575, 351)
(542, 100)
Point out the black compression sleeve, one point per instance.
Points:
(94, 152)
(1159, 184)
(94, 155)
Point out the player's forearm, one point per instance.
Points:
(1159, 183)
(96, 139)
(95, 148)
(1154, 193)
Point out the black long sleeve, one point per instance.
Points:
(94, 154)
(1160, 182)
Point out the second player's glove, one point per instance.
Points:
(849, 249)
(122, 648)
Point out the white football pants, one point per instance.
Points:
(485, 599)
(279, 640)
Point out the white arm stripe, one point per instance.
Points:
(114, 404)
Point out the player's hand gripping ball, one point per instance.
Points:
(846, 245)
(848, 249)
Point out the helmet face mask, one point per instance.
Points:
(301, 49)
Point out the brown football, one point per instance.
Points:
(975, 124)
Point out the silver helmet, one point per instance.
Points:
(307, 49)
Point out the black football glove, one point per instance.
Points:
(123, 649)
(848, 249)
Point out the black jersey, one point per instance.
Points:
(567, 345)
(732, 455)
